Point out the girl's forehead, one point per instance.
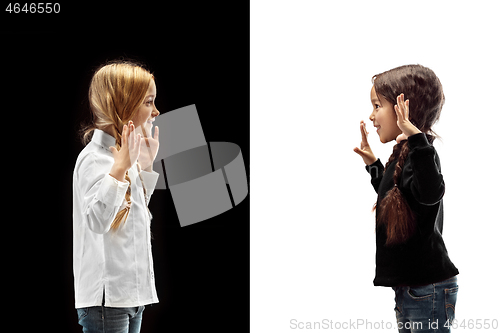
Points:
(373, 94)
(152, 87)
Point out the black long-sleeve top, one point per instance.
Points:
(423, 258)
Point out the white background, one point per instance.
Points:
(312, 230)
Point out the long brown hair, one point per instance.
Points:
(424, 90)
(116, 92)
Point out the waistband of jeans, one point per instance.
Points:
(452, 279)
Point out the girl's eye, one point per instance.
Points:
(377, 106)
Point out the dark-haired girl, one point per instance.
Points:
(411, 255)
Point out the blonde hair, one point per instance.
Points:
(116, 92)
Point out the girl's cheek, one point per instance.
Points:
(380, 119)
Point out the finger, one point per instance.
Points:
(403, 106)
(399, 108)
(401, 101)
(132, 130)
(113, 150)
(407, 105)
(364, 133)
(360, 152)
(157, 133)
(132, 133)
(124, 135)
(398, 113)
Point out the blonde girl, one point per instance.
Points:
(113, 182)
(411, 255)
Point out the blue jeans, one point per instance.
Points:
(99, 319)
(428, 308)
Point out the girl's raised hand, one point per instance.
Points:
(364, 149)
(403, 114)
(149, 149)
(128, 153)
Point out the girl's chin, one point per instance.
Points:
(383, 139)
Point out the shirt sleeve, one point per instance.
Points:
(102, 194)
(376, 171)
(422, 172)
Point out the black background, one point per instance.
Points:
(199, 54)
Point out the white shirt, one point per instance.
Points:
(117, 261)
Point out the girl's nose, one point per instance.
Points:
(155, 112)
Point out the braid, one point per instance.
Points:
(395, 212)
(117, 129)
(122, 215)
(395, 153)
(403, 154)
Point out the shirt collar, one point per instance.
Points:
(103, 139)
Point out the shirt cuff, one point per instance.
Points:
(375, 169)
(112, 191)
(375, 164)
